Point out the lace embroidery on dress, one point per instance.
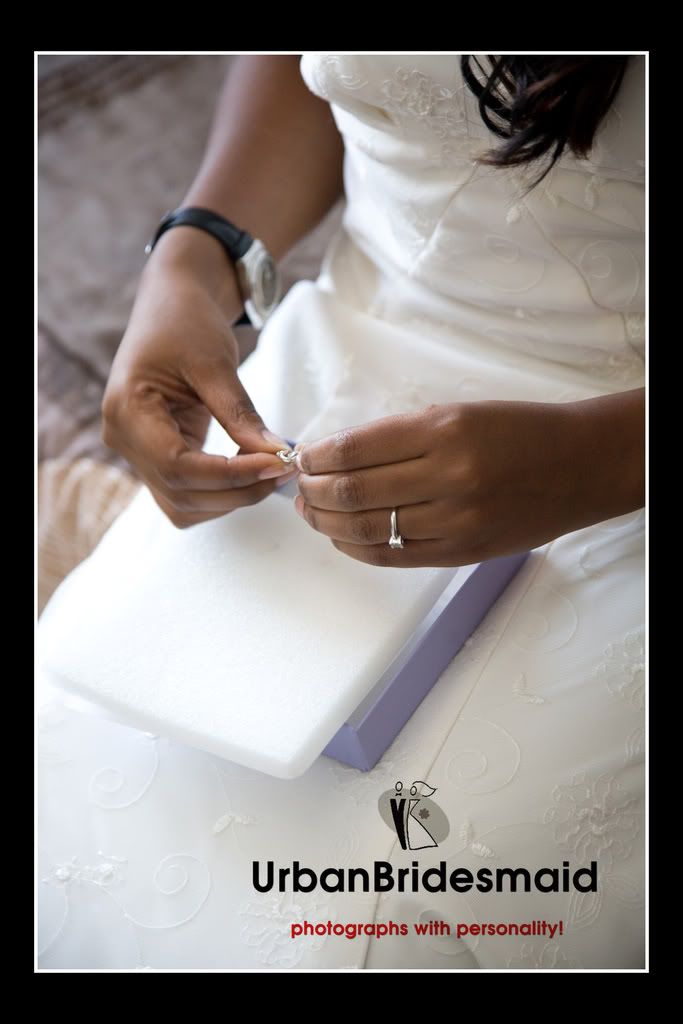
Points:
(623, 669)
(267, 926)
(520, 689)
(410, 94)
(226, 820)
(594, 819)
(478, 848)
(549, 958)
(109, 872)
(328, 71)
(634, 324)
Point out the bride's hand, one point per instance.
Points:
(176, 367)
(475, 480)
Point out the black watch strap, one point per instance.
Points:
(235, 242)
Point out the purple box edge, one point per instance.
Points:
(361, 745)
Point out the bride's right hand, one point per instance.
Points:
(176, 367)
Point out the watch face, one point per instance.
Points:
(268, 281)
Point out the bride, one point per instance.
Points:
(472, 356)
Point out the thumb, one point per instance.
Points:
(225, 397)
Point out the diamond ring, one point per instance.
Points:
(395, 539)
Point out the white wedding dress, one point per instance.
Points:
(442, 285)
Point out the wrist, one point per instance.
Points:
(609, 433)
(197, 257)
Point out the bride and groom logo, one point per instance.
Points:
(417, 820)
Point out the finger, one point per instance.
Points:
(186, 508)
(391, 439)
(223, 502)
(220, 502)
(415, 522)
(155, 445)
(415, 555)
(182, 520)
(401, 483)
(226, 398)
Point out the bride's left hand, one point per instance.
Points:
(471, 481)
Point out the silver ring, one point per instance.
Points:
(287, 456)
(395, 539)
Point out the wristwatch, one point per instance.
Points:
(257, 272)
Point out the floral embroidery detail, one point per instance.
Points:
(478, 848)
(617, 367)
(482, 850)
(520, 688)
(621, 367)
(549, 958)
(410, 90)
(268, 926)
(623, 669)
(424, 813)
(109, 872)
(635, 327)
(326, 72)
(594, 820)
(226, 820)
(409, 94)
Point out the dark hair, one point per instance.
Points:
(542, 105)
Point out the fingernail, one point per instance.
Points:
(297, 460)
(272, 438)
(299, 505)
(271, 471)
